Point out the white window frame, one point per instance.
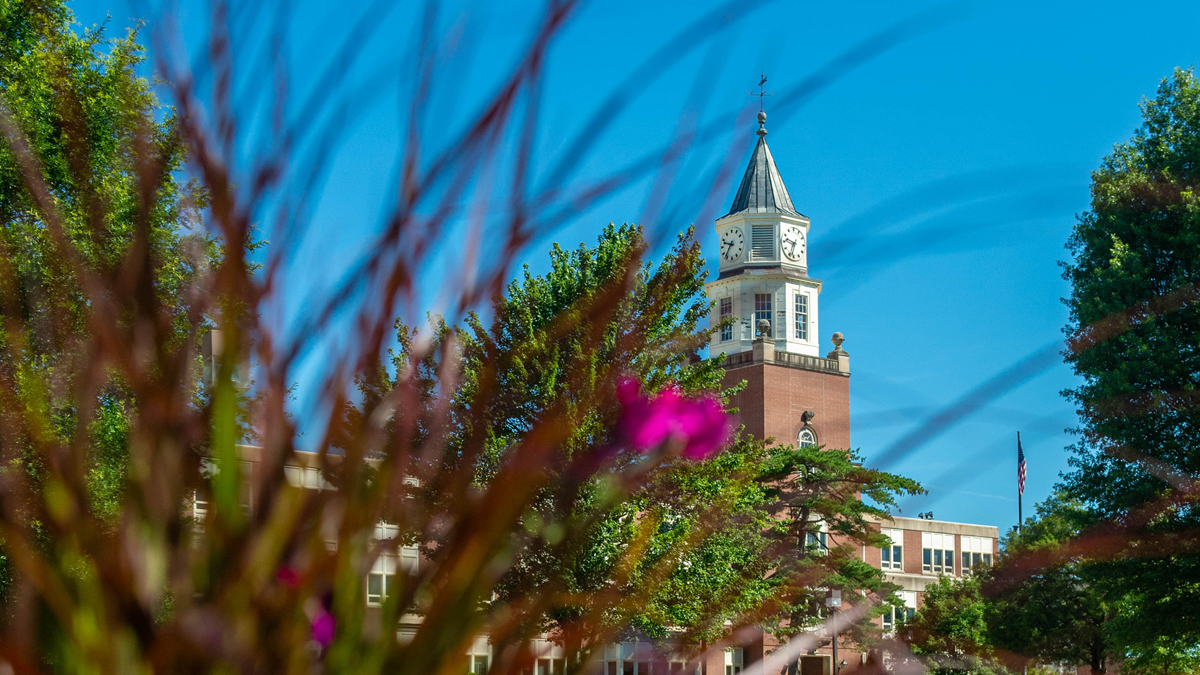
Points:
(801, 316)
(199, 506)
(628, 658)
(380, 581)
(893, 615)
(307, 477)
(679, 667)
(551, 658)
(937, 553)
(760, 313)
(735, 660)
(725, 309)
(479, 656)
(401, 560)
(209, 470)
(806, 438)
(892, 557)
(820, 537)
(975, 551)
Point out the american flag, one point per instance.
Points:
(1020, 467)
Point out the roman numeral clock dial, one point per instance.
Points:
(733, 243)
(793, 244)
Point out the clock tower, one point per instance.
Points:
(765, 318)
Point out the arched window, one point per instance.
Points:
(807, 438)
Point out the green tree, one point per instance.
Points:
(88, 134)
(823, 502)
(1046, 603)
(950, 631)
(1135, 327)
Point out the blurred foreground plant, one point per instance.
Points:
(139, 532)
(554, 447)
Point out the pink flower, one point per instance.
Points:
(700, 425)
(323, 627)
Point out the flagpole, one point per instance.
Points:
(1020, 492)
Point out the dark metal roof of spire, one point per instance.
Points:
(762, 189)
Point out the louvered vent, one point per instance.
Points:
(762, 242)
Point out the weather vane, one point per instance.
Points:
(761, 92)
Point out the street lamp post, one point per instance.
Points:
(833, 600)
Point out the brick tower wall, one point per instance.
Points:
(776, 397)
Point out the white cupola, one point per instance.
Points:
(763, 252)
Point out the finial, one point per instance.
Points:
(762, 116)
(764, 328)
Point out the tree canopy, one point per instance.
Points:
(1135, 342)
(88, 173)
(1107, 571)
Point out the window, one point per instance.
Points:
(892, 557)
(478, 656)
(199, 506)
(549, 667)
(937, 553)
(895, 615)
(726, 312)
(733, 660)
(676, 667)
(807, 438)
(209, 471)
(379, 587)
(308, 477)
(409, 557)
(762, 242)
(801, 316)
(762, 310)
(975, 551)
(627, 658)
(818, 537)
(381, 579)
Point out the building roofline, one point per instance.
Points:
(940, 526)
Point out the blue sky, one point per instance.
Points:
(942, 178)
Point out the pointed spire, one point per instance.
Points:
(762, 189)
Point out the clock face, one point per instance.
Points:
(792, 242)
(733, 242)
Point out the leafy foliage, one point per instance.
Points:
(950, 631)
(1135, 327)
(94, 180)
(810, 489)
(1047, 604)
